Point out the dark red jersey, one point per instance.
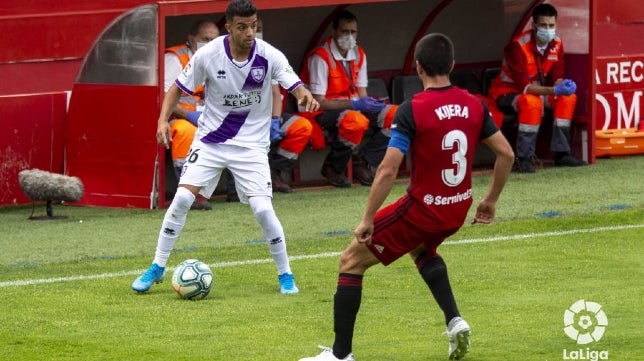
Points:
(444, 126)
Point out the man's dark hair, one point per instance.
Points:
(435, 54)
(241, 8)
(543, 10)
(343, 15)
(194, 29)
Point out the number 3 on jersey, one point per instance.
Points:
(455, 141)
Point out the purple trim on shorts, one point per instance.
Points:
(228, 128)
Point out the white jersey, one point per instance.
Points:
(238, 101)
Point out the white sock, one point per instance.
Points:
(173, 222)
(272, 230)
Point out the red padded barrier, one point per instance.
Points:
(32, 137)
(111, 144)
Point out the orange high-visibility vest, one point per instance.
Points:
(187, 101)
(504, 84)
(339, 85)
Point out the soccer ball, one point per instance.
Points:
(192, 279)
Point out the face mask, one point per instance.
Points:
(347, 42)
(545, 35)
(200, 45)
(259, 36)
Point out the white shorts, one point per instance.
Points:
(205, 163)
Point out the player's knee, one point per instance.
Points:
(183, 199)
(347, 262)
(261, 207)
(356, 258)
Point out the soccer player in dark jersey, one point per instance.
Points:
(439, 129)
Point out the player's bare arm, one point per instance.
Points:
(382, 184)
(305, 98)
(332, 104)
(170, 101)
(486, 209)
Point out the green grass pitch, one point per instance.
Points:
(561, 235)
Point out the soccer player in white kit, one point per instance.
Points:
(233, 133)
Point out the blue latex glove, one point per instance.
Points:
(566, 87)
(368, 104)
(193, 117)
(571, 85)
(276, 132)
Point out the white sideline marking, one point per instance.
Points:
(545, 234)
(315, 256)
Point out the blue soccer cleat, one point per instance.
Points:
(287, 284)
(154, 274)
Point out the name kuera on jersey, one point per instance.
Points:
(238, 99)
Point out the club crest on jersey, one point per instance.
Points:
(258, 73)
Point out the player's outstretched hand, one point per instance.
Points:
(164, 134)
(484, 213)
(308, 102)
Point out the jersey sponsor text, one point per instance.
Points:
(443, 200)
(242, 100)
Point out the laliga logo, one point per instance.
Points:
(585, 322)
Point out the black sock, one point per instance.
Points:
(346, 304)
(434, 272)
